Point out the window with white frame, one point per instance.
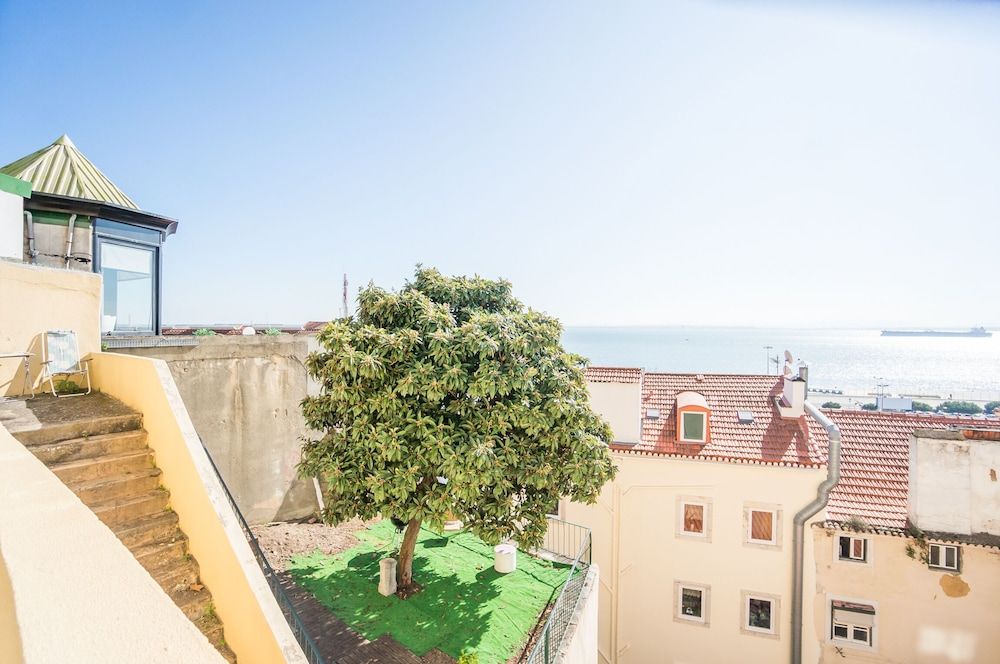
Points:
(760, 613)
(852, 548)
(694, 517)
(693, 427)
(762, 525)
(691, 602)
(943, 556)
(852, 622)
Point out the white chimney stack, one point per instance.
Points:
(792, 402)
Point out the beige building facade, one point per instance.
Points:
(694, 539)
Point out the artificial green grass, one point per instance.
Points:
(464, 605)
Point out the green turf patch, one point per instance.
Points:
(464, 606)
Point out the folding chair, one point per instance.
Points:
(61, 357)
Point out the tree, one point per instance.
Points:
(991, 407)
(963, 407)
(830, 404)
(451, 398)
(869, 406)
(921, 407)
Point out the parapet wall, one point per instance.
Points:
(243, 395)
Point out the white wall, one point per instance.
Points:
(954, 483)
(11, 226)
(620, 406)
(580, 645)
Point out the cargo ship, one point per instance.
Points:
(972, 332)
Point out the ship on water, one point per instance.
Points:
(972, 332)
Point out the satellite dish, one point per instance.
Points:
(788, 357)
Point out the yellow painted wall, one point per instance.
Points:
(35, 299)
(923, 615)
(634, 526)
(618, 404)
(254, 626)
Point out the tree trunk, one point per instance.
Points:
(404, 571)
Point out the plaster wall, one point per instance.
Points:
(619, 405)
(923, 616)
(256, 629)
(11, 225)
(50, 242)
(953, 483)
(243, 396)
(34, 299)
(637, 545)
(69, 590)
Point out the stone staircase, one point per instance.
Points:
(97, 447)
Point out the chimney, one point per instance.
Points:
(792, 402)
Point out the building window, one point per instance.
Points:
(692, 602)
(852, 548)
(852, 622)
(943, 556)
(694, 518)
(760, 614)
(693, 427)
(763, 525)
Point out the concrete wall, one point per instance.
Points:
(51, 232)
(11, 225)
(923, 615)
(255, 628)
(34, 299)
(580, 644)
(243, 396)
(69, 590)
(953, 483)
(619, 405)
(636, 544)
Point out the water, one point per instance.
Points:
(846, 359)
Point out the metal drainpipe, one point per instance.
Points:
(806, 513)
(29, 221)
(69, 239)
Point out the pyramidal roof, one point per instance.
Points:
(62, 170)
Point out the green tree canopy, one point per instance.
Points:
(963, 407)
(451, 398)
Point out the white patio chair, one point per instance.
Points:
(61, 357)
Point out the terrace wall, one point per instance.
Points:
(243, 396)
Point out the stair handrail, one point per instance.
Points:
(292, 617)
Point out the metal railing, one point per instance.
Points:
(308, 645)
(569, 543)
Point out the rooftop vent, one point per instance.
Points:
(744, 416)
(652, 414)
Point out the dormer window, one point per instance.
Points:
(692, 418)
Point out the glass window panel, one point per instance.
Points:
(858, 549)
(127, 301)
(861, 634)
(935, 555)
(694, 426)
(691, 602)
(694, 518)
(949, 557)
(845, 547)
(760, 613)
(840, 631)
(761, 526)
(128, 231)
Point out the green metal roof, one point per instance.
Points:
(62, 170)
(13, 185)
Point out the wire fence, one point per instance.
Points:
(568, 543)
(308, 645)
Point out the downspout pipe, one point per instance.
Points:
(806, 513)
(69, 239)
(29, 222)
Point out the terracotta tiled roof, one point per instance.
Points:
(624, 375)
(875, 454)
(768, 439)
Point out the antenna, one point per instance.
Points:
(767, 359)
(344, 311)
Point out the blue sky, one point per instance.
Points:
(740, 163)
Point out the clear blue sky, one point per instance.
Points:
(743, 163)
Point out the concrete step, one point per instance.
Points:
(193, 603)
(82, 428)
(212, 629)
(147, 529)
(118, 511)
(103, 467)
(90, 447)
(175, 575)
(126, 485)
(159, 554)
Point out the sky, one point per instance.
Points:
(802, 164)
